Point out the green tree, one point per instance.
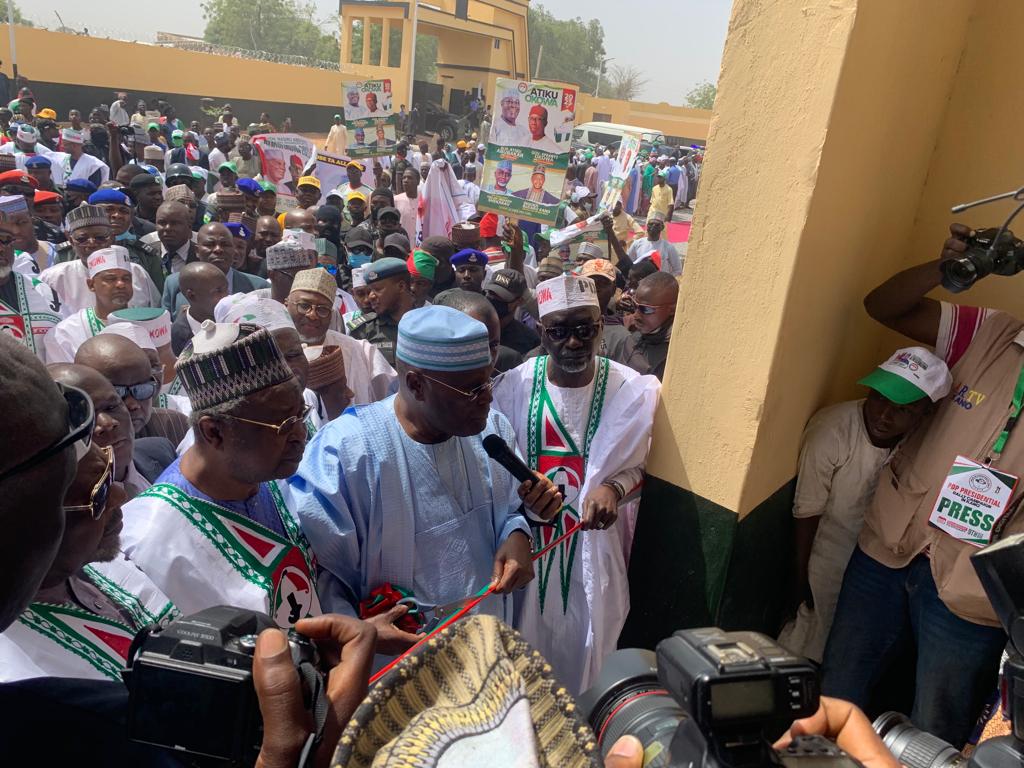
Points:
(355, 53)
(702, 96)
(274, 26)
(426, 59)
(15, 12)
(572, 48)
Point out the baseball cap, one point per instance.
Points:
(506, 284)
(911, 374)
(358, 236)
(598, 267)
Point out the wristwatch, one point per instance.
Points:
(616, 486)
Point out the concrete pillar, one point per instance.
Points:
(385, 41)
(820, 146)
(366, 41)
(345, 43)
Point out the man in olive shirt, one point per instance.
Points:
(947, 492)
(391, 297)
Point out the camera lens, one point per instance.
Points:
(959, 274)
(627, 698)
(913, 747)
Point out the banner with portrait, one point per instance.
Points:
(283, 157)
(528, 150)
(370, 124)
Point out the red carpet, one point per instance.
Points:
(679, 232)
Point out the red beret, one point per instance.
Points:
(42, 197)
(18, 177)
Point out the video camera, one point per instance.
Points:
(190, 685)
(710, 698)
(1000, 568)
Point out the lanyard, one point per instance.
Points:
(1016, 405)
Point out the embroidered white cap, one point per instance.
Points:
(250, 308)
(114, 257)
(565, 292)
(155, 321)
(358, 277)
(911, 374)
(130, 331)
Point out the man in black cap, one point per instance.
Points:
(505, 289)
(396, 245)
(148, 194)
(390, 297)
(359, 246)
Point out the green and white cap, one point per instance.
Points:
(909, 375)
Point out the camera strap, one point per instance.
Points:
(313, 682)
(1011, 422)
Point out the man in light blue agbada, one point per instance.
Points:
(401, 491)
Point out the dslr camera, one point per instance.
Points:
(987, 253)
(710, 698)
(190, 685)
(1000, 568)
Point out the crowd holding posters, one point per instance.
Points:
(283, 157)
(528, 150)
(370, 125)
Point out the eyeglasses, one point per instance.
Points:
(101, 491)
(83, 239)
(81, 421)
(321, 310)
(583, 332)
(281, 429)
(650, 309)
(141, 392)
(473, 394)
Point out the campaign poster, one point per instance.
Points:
(283, 157)
(528, 150)
(370, 125)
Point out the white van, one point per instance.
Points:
(593, 134)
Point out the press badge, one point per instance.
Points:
(972, 499)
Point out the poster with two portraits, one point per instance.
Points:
(527, 150)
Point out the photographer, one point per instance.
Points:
(910, 582)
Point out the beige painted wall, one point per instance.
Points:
(835, 150)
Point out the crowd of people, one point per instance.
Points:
(285, 410)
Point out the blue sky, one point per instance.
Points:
(677, 43)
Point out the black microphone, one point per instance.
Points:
(498, 450)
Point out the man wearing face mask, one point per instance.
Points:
(359, 245)
(505, 290)
(584, 422)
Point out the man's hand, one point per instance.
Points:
(346, 647)
(513, 566)
(391, 640)
(956, 245)
(627, 752)
(848, 727)
(113, 129)
(540, 497)
(600, 508)
(607, 223)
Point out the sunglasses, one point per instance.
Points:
(473, 394)
(649, 309)
(320, 310)
(583, 332)
(100, 491)
(83, 239)
(81, 421)
(141, 392)
(281, 429)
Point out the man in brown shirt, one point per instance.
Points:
(910, 582)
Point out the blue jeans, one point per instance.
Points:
(880, 611)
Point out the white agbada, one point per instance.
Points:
(574, 610)
(72, 332)
(68, 641)
(37, 313)
(85, 166)
(68, 280)
(367, 372)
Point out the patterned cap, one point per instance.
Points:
(27, 134)
(469, 256)
(326, 366)
(224, 362)
(589, 251)
(85, 216)
(153, 152)
(439, 338)
(251, 308)
(12, 204)
(358, 277)
(465, 234)
(179, 193)
(382, 269)
(290, 253)
(230, 201)
(317, 281)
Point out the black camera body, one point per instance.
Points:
(709, 698)
(987, 253)
(190, 685)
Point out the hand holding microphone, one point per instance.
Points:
(539, 495)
